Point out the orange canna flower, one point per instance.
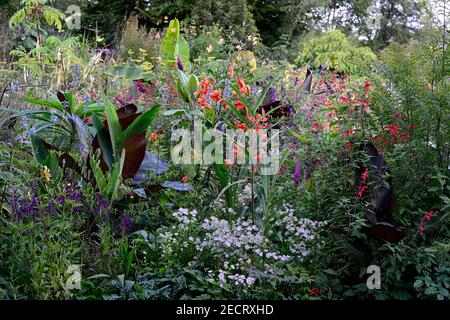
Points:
(203, 103)
(215, 96)
(153, 137)
(242, 126)
(239, 105)
(243, 88)
(204, 85)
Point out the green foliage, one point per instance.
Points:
(334, 48)
(136, 41)
(129, 72)
(108, 184)
(32, 9)
(234, 16)
(141, 227)
(174, 46)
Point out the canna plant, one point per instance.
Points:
(124, 129)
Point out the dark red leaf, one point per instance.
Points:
(134, 146)
(385, 232)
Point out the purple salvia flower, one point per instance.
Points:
(102, 203)
(140, 86)
(61, 199)
(127, 223)
(51, 207)
(297, 173)
(180, 64)
(15, 203)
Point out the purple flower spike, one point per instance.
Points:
(180, 64)
(297, 173)
(127, 223)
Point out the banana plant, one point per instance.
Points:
(62, 122)
(65, 133)
(174, 46)
(174, 52)
(108, 184)
(124, 129)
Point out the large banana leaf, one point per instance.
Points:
(169, 45)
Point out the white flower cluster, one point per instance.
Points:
(185, 216)
(235, 247)
(240, 279)
(237, 279)
(221, 235)
(298, 232)
(245, 197)
(174, 237)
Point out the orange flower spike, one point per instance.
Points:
(224, 105)
(243, 88)
(203, 103)
(216, 95)
(204, 85)
(242, 126)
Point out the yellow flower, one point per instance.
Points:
(45, 174)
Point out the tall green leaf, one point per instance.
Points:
(39, 150)
(183, 53)
(113, 123)
(114, 177)
(139, 125)
(169, 44)
(104, 140)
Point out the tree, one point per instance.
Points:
(234, 16)
(399, 21)
(334, 48)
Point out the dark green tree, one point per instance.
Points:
(234, 16)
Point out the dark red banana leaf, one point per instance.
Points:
(385, 232)
(134, 146)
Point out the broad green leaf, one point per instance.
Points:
(139, 125)
(129, 72)
(193, 83)
(51, 104)
(113, 124)
(52, 164)
(169, 44)
(70, 99)
(104, 140)
(173, 112)
(182, 91)
(183, 54)
(39, 150)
